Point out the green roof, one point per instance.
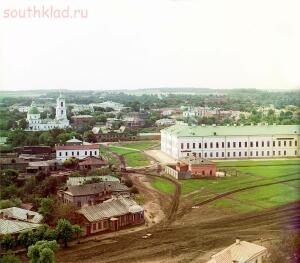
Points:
(33, 109)
(191, 131)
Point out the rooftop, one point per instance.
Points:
(110, 208)
(239, 252)
(81, 179)
(92, 161)
(77, 147)
(21, 214)
(191, 131)
(14, 226)
(196, 160)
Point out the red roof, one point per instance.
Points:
(77, 147)
(93, 161)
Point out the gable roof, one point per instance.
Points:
(90, 189)
(239, 252)
(77, 147)
(192, 160)
(191, 131)
(91, 160)
(110, 208)
(21, 214)
(15, 226)
(81, 179)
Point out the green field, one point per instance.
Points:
(163, 185)
(133, 158)
(250, 173)
(140, 145)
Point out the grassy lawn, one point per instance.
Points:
(249, 173)
(140, 145)
(132, 157)
(163, 185)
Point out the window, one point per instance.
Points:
(205, 145)
(274, 153)
(95, 152)
(295, 152)
(217, 145)
(268, 153)
(99, 225)
(194, 145)
(245, 144)
(62, 112)
(61, 104)
(85, 153)
(59, 153)
(296, 143)
(105, 224)
(251, 153)
(211, 145)
(240, 154)
(210, 172)
(251, 144)
(181, 145)
(284, 143)
(200, 145)
(205, 154)
(66, 154)
(262, 144)
(194, 154)
(234, 144)
(279, 143)
(199, 154)
(245, 153)
(262, 153)
(223, 144)
(290, 143)
(228, 154)
(77, 152)
(284, 152)
(279, 153)
(240, 144)
(188, 146)
(256, 144)
(211, 155)
(268, 144)
(217, 154)
(187, 154)
(273, 143)
(222, 154)
(228, 144)
(233, 154)
(72, 153)
(91, 153)
(256, 153)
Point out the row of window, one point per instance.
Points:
(99, 225)
(239, 154)
(73, 153)
(237, 144)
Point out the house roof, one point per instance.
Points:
(192, 131)
(92, 161)
(12, 160)
(90, 189)
(110, 208)
(77, 147)
(21, 214)
(196, 161)
(73, 140)
(45, 163)
(239, 252)
(15, 226)
(81, 179)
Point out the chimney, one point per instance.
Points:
(237, 241)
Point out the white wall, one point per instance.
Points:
(65, 154)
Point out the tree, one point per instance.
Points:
(27, 238)
(128, 182)
(8, 242)
(8, 176)
(42, 251)
(64, 230)
(23, 124)
(46, 207)
(10, 258)
(90, 136)
(77, 231)
(44, 232)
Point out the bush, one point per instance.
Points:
(42, 251)
(10, 258)
(128, 182)
(134, 190)
(8, 242)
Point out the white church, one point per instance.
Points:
(35, 123)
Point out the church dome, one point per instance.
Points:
(33, 109)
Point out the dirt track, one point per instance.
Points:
(192, 238)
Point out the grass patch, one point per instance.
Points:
(140, 145)
(163, 185)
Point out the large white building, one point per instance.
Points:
(36, 123)
(64, 152)
(231, 142)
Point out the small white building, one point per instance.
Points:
(240, 252)
(63, 152)
(165, 122)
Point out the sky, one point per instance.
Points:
(140, 44)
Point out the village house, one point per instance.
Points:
(192, 167)
(14, 163)
(89, 163)
(34, 153)
(45, 166)
(240, 252)
(90, 194)
(135, 119)
(63, 152)
(112, 215)
(105, 135)
(81, 120)
(165, 122)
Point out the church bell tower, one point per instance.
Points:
(61, 109)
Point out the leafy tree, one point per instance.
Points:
(10, 258)
(65, 231)
(46, 207)
(42, 251)
(90, 136)
(10, 203)
(77, 231)
(8, 176)
(44, 232)
(23, 124)
(7, 242)
(27, 238)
